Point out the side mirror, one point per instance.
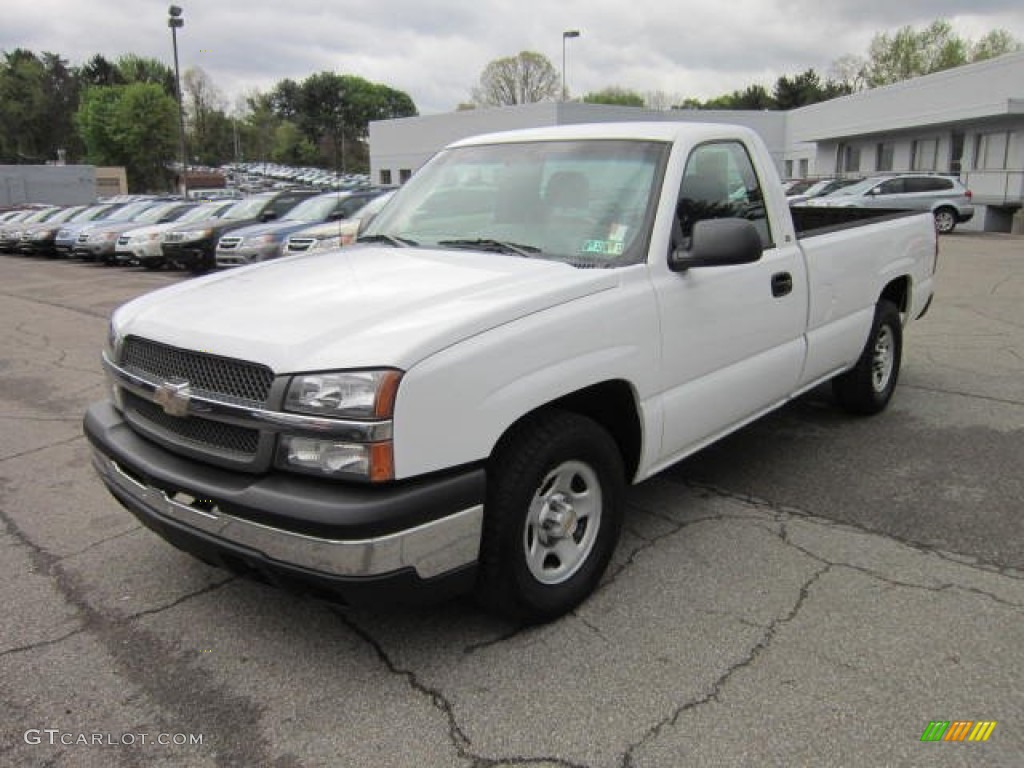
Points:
(718, 243)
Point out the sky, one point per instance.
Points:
(435, 51)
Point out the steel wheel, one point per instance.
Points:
(552, 516)
(883, 360)
(562, 523)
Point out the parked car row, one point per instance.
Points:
(261, 176)
(945, 197)
(193, 235)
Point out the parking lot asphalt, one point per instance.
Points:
(813, 591)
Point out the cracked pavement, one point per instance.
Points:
(813, 590)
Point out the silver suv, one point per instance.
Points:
(947, 198)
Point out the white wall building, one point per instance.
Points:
(967, 121)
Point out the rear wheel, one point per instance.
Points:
(945, 220)
(868, 386)
(552, 518)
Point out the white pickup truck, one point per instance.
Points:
(536, 320)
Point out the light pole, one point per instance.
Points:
(175, 21)
(565, 36)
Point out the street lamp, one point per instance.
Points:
(175, 21)
(565, 36)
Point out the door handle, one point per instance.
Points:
(782, 284)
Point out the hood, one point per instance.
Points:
(366, 306)
(328, 229)
(152, 229)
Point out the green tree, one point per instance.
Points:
(139, 69)
(99, 71)
(131, 125)
(615, 95)
(805, 88)
(209, 131)
(913, 52)
(525, 78)
(996, 43)
(291, 145)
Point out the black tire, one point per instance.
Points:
(867, 387)
(945, 220)
(555, 489)
(153, 264)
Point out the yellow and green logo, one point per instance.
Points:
(958, 730)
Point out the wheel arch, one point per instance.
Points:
(898, 292)
(612, 405)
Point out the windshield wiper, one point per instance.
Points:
(498, 246)
(398, 242)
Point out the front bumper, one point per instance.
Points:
(237, 257)
(360, 543)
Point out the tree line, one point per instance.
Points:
(124, 112)
(890, 58)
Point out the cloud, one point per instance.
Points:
(436, 51)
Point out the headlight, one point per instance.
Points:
(345, 394)
(362, 395)
(195, 234)
(363, 461)
(326, 244)
(259, 240)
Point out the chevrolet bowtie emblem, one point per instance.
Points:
(173, 396)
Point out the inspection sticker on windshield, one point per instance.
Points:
(609, 247)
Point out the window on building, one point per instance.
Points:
(925, 155)
(804, 167)
(851, 159)
(404, 175)
(385, 177)
(990, 150)
(884, 154)
(789, 169)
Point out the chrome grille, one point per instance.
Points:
(84, 237)
(123, 239)
(300, 244)
(200, 433)
(174, 237)
(229, 242)
(237, 380)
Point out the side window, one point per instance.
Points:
(928, 184)
(891, 187)
(719, 182)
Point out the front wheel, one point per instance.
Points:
(867, 387)
(553, 513)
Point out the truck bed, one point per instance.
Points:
(809, 220)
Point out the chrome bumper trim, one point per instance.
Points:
(257, 418)
(431, 549)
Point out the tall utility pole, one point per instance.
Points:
(565, 36)
(175, 21)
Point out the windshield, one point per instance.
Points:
(587, 203)
(154, 214)
(66, 215)
(129, 212)
(205, 211)
(246, 209)
(315, 209)
(89, 214)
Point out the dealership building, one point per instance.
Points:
(967, 121)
